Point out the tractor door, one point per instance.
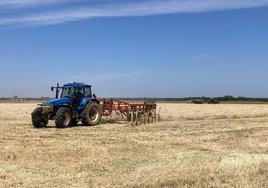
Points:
(81, 96)
(77, 97)
(87, 95)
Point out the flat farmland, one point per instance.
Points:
(222, 145)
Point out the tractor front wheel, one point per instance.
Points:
(91, 115)
(63, 117)
(39, 119)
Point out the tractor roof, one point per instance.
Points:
(76, 85)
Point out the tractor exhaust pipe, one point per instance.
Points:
(57, 90)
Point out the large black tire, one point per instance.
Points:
(91, 115)
(63, 117)
(39, 119)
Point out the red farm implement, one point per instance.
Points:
(135, 113)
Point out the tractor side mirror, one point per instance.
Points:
(52, 89)
(94, 96)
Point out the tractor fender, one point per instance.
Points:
(59, 106)
(86, 101)
(96, 101)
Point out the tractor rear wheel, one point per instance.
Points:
(63, 117)
(91, 115)
(39, 119)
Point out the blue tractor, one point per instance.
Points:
(74, 103)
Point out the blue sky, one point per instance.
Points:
(131, 48)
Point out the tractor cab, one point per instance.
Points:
(76, 91)
(73, 90)
(75, 94)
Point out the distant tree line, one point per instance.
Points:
(204, 99)
(148, 99)
(16, 98)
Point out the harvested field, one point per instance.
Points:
(222, 145)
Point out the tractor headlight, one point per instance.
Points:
(47, 108)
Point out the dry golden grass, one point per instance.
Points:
(193, 146)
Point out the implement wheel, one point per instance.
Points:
(91, 115)
(63, 117)
(39, 119)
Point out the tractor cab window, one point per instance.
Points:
(77, 92)
(67, 92)
(87, 92)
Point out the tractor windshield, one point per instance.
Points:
(67, 92)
